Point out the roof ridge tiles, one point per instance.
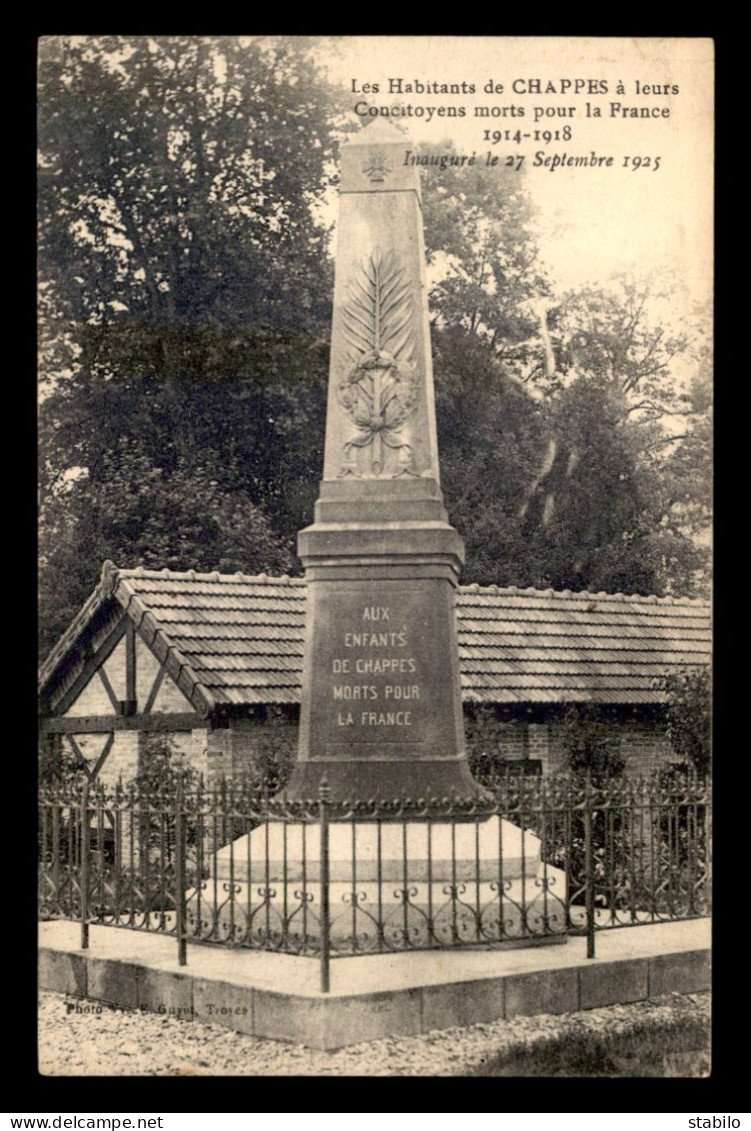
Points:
(585, 595)
(213, 575)
(473, 587)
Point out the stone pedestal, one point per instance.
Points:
(381, 714)
(393, 886)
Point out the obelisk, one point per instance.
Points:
(381, 712)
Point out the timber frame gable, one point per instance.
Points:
(115, 613)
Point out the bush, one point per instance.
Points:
(57, 762)
(689, 715)
(589, 743)
(274, 751)
(482, 733)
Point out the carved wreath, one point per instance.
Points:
(379, 390)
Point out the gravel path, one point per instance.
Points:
(124, 1043)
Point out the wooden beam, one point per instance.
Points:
(103, 756)
(155, 690)
(130, 662)
(108, 688)
(97, 724)
(92, 774)
(79, 754)
(94, 662)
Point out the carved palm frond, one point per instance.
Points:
(379, 313)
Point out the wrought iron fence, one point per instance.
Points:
(229, 867)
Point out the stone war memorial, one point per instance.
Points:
(381, 711)
(381, 714)
(382, 891)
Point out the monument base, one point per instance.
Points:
(362, 780)
(393, 886)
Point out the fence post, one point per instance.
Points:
(56, 855)
(708, 840)
(85, 849)
(324, 794)
(589, 877)
(182, 942)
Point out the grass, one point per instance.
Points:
(649, 1048)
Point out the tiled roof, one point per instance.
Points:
(235, 639)
(548, 646)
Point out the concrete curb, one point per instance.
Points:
(332, 1021)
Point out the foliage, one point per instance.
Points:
(176, 176)
(598, 513)
(57, 762)
(185, 297)
(139, 515)
(611, 333)
(484, 481)
(479, 227)
(593, 487)
(590, 744)
(184, 302)
(625, 344)
(162, 766)
(586, 424)
(274, 751)
(689, 714)
(482, 741)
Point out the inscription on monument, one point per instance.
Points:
(373, 652)
(376, 669)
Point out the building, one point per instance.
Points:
(213, 661)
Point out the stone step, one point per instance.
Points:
(411, 852)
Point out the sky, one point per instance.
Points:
(593, 222)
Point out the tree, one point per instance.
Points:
(606, 483)
(136, 514)
(598, 513)
(479, 226)
(184, 302)
(492, 433)
(492, 437)
(618, 355)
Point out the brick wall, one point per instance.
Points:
(643, 744)
(191, 750)
(512, 740)
(123, 759)
(250, 745)
(218, 754)
(556, 759)
(646, 748)
(539, 746)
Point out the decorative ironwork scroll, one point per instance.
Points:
(379, 391)
(225, 865)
